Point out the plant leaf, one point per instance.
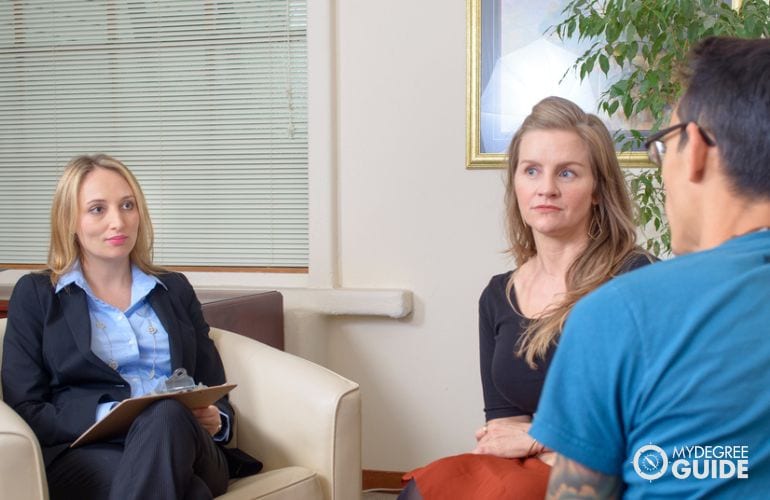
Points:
(604, 63)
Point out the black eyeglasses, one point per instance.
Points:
(656, 148)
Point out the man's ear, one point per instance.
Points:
(695, 154)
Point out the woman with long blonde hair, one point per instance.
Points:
(102, 324)
(570, 226)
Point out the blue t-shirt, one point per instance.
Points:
(677, 356)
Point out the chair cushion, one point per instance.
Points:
(289, 483)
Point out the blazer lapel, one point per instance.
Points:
(160, 301)
(75, 310)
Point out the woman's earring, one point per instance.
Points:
(595, 230)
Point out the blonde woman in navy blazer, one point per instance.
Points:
(101, 247)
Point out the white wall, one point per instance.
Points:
(411, 216)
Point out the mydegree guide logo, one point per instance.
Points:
(651, 462)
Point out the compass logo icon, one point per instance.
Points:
(650, 462)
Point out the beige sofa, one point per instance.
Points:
(302, 420)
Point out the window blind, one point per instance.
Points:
(204, 100)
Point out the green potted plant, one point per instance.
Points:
(646, 42)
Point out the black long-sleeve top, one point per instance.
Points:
(511, 387)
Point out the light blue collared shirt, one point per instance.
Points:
(132, 342)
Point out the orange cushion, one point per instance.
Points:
(481, 477)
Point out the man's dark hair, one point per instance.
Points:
(728, 94)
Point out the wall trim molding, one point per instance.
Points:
(381, 479)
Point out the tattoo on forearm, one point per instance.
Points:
(570, 479)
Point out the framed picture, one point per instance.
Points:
(512, 63)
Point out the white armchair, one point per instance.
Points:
(300, 419)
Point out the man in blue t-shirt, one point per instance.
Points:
(659, 385)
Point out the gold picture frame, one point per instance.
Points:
(476, 157)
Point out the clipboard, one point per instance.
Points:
(120, 418)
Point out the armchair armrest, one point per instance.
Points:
(290, 411)
(22, 472)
